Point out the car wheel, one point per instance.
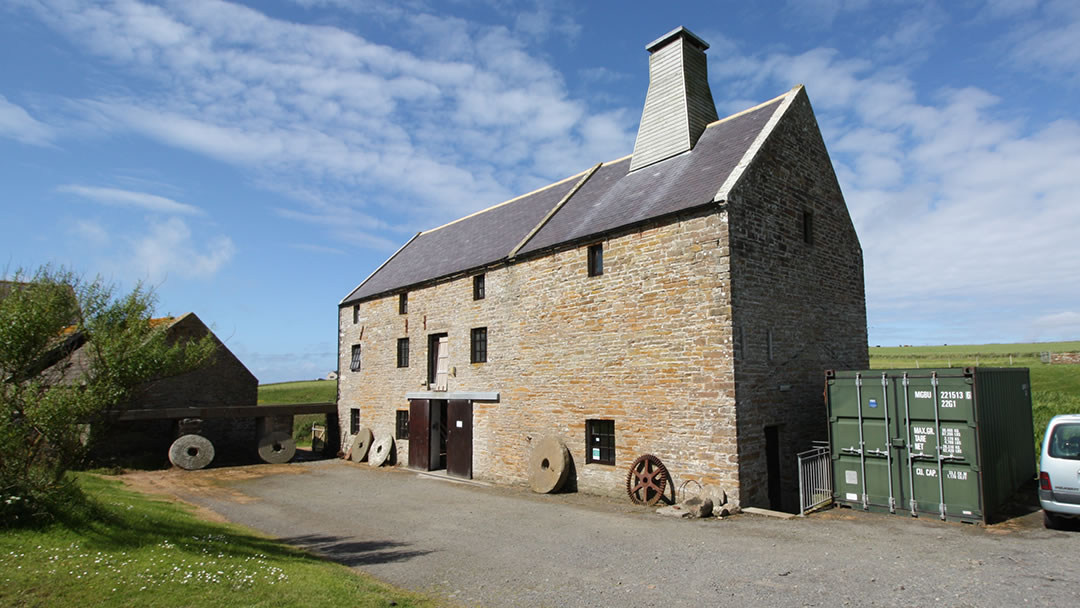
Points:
(1051, 521)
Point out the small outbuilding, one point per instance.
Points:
(224, 381)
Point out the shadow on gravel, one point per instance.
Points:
(355, 553)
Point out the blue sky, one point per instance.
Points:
(256, 161)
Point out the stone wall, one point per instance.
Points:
(1064, 358)
(686, 320)
(647, 344)
(799, 308)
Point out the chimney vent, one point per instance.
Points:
(679, 104)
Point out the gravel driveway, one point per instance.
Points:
(496, 546)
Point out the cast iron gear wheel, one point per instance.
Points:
(646, 480)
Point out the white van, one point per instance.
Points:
(1059, 470)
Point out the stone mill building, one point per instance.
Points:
(683, 301)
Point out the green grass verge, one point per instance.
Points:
(1055, 389)
(308, 391)
(128, 549)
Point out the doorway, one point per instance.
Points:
(427, 434)
(772, 465)
(438, 361)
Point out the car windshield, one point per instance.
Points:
(1065, 441)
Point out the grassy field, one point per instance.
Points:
(308, 391)
(129, 549)
(1055, 389)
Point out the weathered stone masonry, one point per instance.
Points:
(732, 280)
(646, 344)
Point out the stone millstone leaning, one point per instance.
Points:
(549, 465)
(360, 445)
(191, 452)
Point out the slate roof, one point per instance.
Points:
(610, 199)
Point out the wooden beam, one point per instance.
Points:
(229, 411)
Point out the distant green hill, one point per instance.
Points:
(310, 391)
(1055, 389)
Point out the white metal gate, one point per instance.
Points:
(815, 479)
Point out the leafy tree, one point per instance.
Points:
(47, 399)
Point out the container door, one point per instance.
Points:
(459, 439)
(419, 435)
(940, 472)
(862, 426)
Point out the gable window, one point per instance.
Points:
(478, 287)
(402, 424)
(479, 345)
(596, 260)
(600, 441)
(403, 304)
(355, 314)
(355, 364)
(808, 227)
(403, 352)
(354, 421)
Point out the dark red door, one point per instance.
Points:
(419, 437)
(459, 439)
(437, 434)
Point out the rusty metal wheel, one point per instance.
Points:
(646, 480)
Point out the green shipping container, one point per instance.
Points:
(951, 443)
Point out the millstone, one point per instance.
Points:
(191, 452)
(360, 445)
(381, 450)
(549, 465)
(276, 448)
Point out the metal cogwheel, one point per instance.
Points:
(646, 480)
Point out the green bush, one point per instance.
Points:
(48, 396)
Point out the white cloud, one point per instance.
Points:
(966, 212)
(90, 232)
(128, 198)
(1056, 326)
(1043, 39)
(460, 124)
(168, 248)
(16, 123)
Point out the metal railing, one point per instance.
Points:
(815, 479)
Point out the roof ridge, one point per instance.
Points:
(759, 141)
(376, 271)
(748, 110)
(551, 213)
(506, 202)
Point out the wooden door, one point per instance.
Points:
(442, 367)
(437, 435)
(459, 439)
(419, 435)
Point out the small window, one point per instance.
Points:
(355, 365)
(355, 314)
(478, 287)
(596, 260)
(808, 227)
(403, 304)
(600, 441)
(402, 425)
(479, 345)
(770, 344)
(354, 421)
(403, 352)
